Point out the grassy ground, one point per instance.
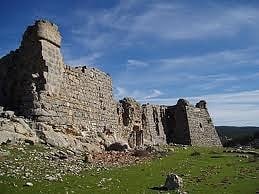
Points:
(211, 171)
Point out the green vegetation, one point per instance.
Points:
(204, 170)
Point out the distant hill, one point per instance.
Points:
(235, 136)
(233, 132)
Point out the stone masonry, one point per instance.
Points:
(191, 125)
(36, 84)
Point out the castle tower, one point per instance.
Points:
(46, 35)
(36, 67)
(35, 83)
(191, 125)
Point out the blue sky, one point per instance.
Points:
(158, 51)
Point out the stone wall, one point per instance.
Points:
(36, 83)
(202, 130)
(129, 114)
(153, 123)
(141, 124)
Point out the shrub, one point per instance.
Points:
(195, 153)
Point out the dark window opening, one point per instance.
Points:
(200, 125)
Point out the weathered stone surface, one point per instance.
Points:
(1, 110)
(173, 181)
(8, 114)
(190, 125)
(15, 130)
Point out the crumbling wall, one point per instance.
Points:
(153, 124)
(21, 75)
(129, 114)
(177, 128)
(35, 83)
(141, 124)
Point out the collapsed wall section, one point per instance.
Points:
(141, 124)
(177, 128)
(153, 123)
(129, 114)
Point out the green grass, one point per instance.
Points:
(210, 172)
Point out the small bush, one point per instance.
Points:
(195, 153)
(214, 152)
(140, 153)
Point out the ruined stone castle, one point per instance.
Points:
(78, 101)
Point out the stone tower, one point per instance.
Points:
(191, 125)
(35, 83)
(33, 70)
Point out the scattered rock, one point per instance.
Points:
(50, 178)
(4, 153)
(88, 158)
(1, 110)
(8, 114)
(28, 184)
(61, 155)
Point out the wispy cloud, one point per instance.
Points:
(84, 60)
(137, 94)
(240, 108)
(155, 93)
(207, 71)
(131, 22)
(134, 64)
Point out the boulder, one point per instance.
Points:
(6, 125)
(88, 158)
(173, 181)
(9, 137)
(92, 148)
(24, 124)
(1, 110)
(8, 114)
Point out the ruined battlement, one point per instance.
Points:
(43, 30)
(36, 84)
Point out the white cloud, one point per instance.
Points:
(133, 64)
(120, 93)
(83, 60)
(241, 108)
(155, 93)
(132, 21)
(207, 71)
(171, 22)
(217, 60)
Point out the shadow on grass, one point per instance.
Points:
(217, 156)
(162, 188)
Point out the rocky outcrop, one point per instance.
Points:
(15, 129)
